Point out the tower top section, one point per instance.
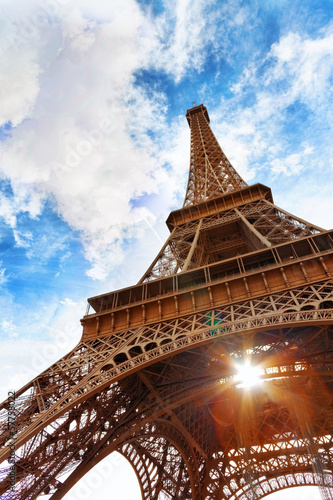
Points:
(211, 173)
(197, 109)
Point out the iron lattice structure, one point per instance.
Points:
(155, 374)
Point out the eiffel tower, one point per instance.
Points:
(240, 286)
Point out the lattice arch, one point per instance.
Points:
(267, 486)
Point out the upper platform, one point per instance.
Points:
(219, 204)
(197, 109)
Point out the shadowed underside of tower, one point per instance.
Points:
(239, 283)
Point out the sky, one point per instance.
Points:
(94, 144)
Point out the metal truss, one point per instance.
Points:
(87, 419)
(154, 376)
(222, 235)
(211, 173)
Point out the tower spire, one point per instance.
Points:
(211, 174)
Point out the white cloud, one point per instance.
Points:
(9, 328)
(20, 88)
(182, 47)
(289, 165)
(296, 72)
(298, 67)
(7, 211)
(68, 302)
(42, 248)
(19, 68)
(292, 164)
(83, 142)
(307, 63)
(56, 330)
(310, 206)
(3, 277)
(239, 139)
(81, 136)
(22, 239)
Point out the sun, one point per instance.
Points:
(247, 375)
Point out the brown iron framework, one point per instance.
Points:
(154, 376)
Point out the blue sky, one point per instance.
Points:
(95, 146)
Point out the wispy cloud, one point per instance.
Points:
(46, 334)
(3, 276)
(183, 33)
(288, 88)
(292, 164)
(9, 328)
(22, 239)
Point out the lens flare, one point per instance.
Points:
(248, 375)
